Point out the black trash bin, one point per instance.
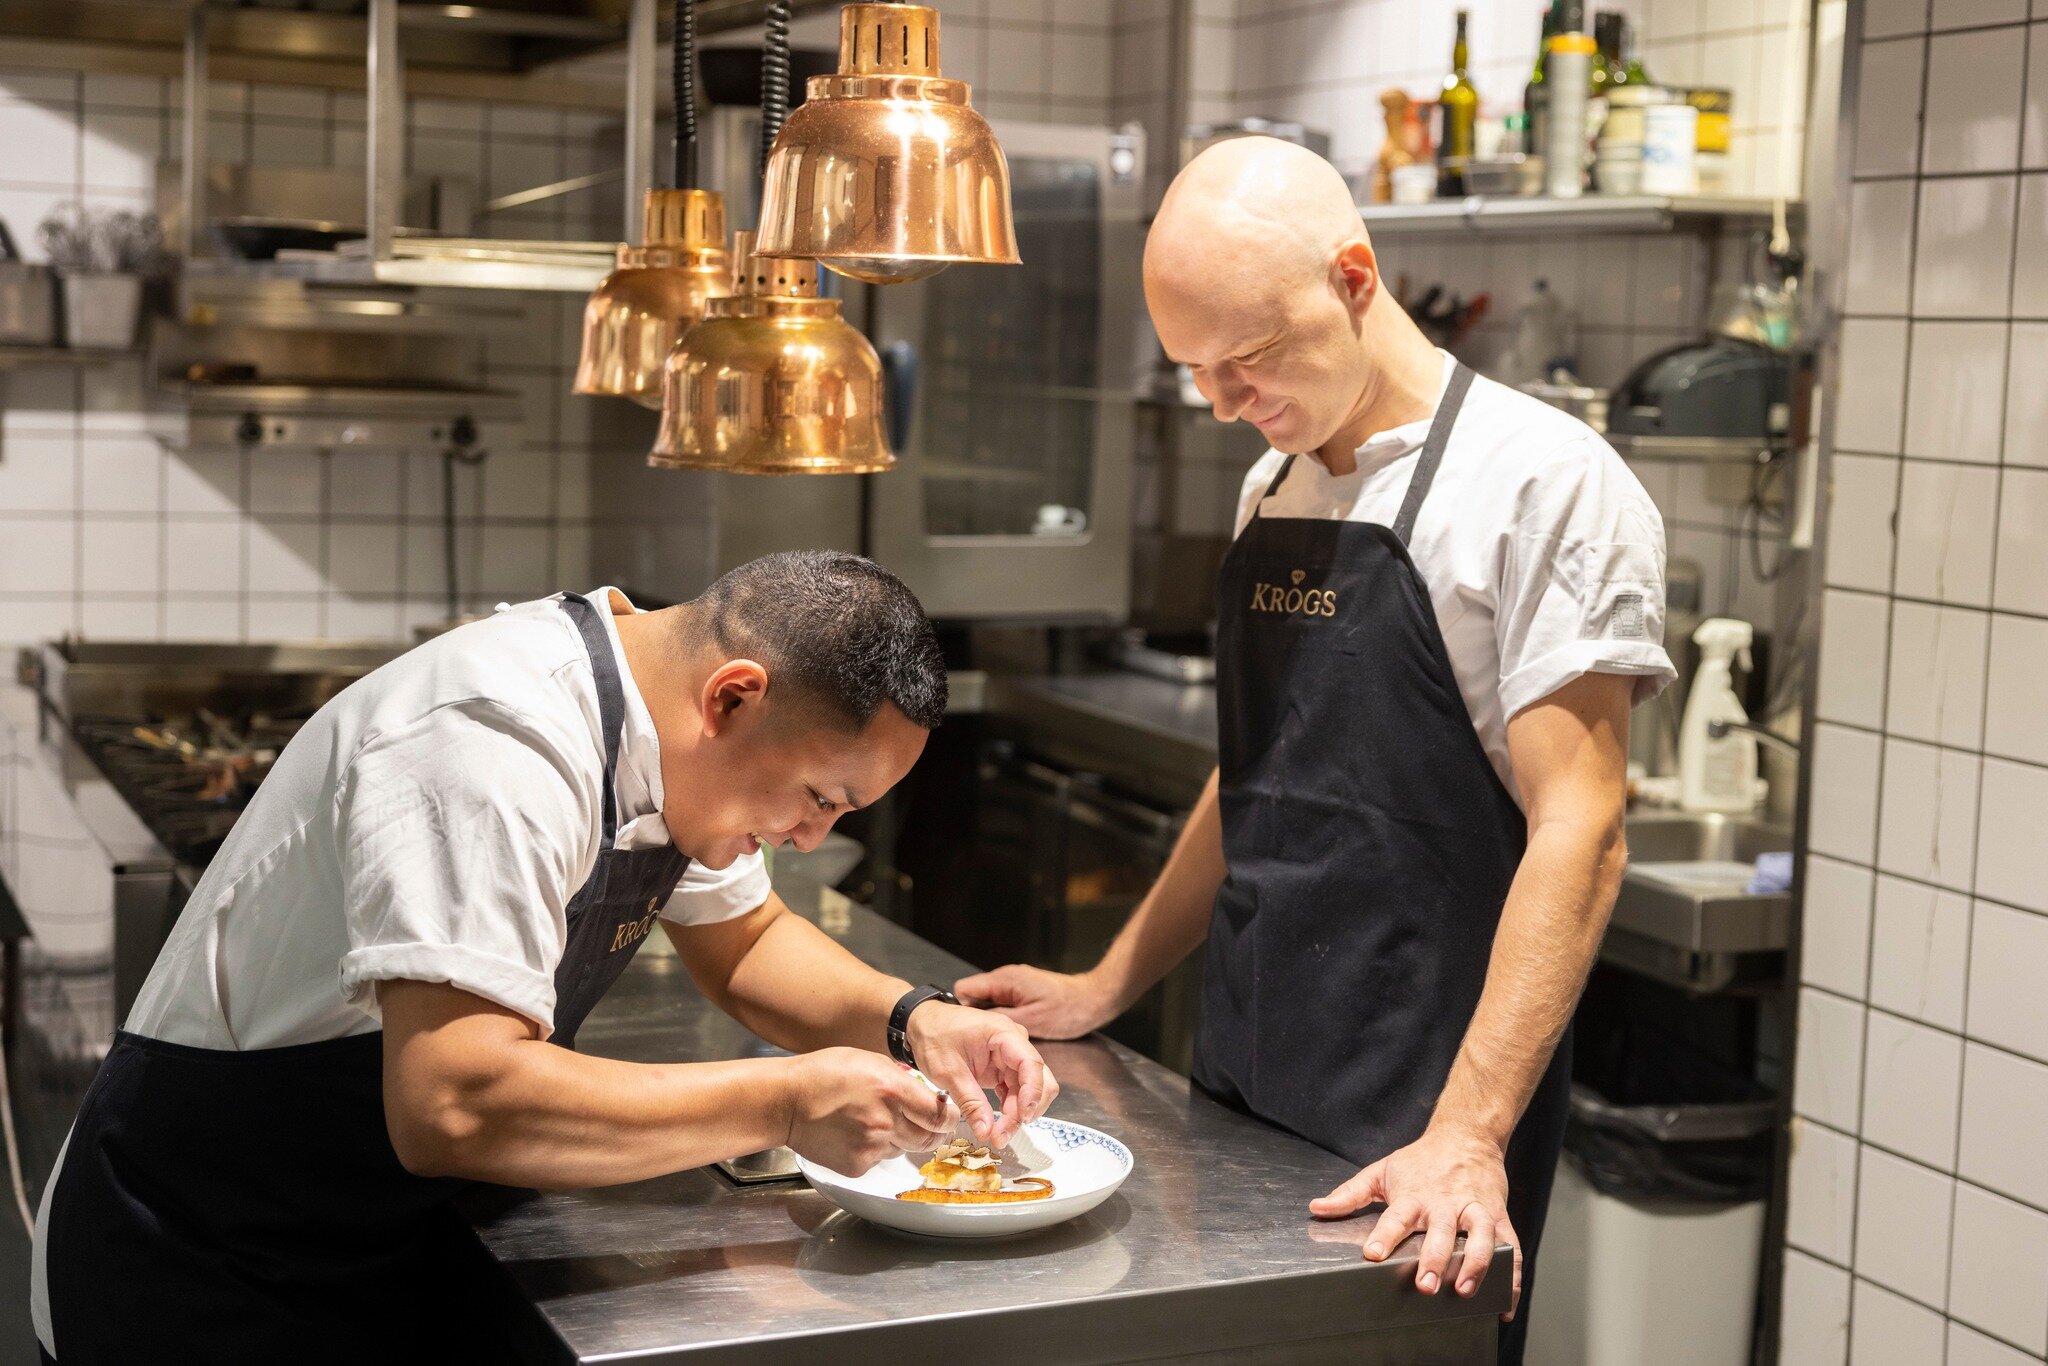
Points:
(1653, 1117)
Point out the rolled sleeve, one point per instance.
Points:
(708, 895)
(463, 837)
(1583, 585)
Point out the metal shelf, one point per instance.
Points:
(1589, 213)
(1715, 450)
(12, 357)
(459, 263)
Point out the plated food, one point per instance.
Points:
(1054, 1172)
(964, 1173)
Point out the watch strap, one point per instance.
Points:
(899, 1019)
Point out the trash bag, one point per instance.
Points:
(1655, 1118)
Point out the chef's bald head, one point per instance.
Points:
(1253, 209)
(1260, 278)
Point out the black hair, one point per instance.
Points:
(845, 631)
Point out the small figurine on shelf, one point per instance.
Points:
(1406, 143)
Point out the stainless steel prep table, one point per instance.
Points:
(1207, 1253)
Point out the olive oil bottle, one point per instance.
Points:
(1458, 121)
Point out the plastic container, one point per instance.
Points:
(1669, 154)
(1414, 184)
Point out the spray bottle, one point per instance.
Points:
(1717, 774)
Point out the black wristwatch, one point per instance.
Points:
(899, 1019)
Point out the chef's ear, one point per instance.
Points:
(735, 684)
(1356, 274)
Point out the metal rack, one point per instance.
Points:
(1588, 213)
(384, 257)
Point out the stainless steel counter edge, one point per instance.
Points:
(1279, 1311)
(1208, 1248)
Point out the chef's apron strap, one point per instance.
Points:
(1433, 450)
(1286, 467)
(611, 700)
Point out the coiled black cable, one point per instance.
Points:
(774, 76)
(684, 74)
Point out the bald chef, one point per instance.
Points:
(361, 1005)
(1443, 599)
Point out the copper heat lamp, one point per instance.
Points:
(772, 381)
(885, 173)
(658, 289)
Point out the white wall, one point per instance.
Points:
(103, 532)
(1919, 1191)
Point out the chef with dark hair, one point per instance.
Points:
(373, 994)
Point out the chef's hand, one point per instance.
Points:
(1447, 1182)
(966, 1050)
(1051, 1005)
(851, 1108)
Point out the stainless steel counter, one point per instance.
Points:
(1206, 1253)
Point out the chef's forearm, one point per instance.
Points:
(1550, 929)
(1174, 916)
(470, 1091)
(790, 982)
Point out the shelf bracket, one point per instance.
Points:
(385, 162)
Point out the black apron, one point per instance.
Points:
(1369, 846)
(248, 1206)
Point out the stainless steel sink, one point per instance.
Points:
(1683, 915)
(1675, 836)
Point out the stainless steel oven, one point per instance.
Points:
(1063, 856)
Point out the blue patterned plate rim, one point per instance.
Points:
(1068, 1136)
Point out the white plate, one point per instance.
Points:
(1084, 1165)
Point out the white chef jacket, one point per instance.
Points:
(431, 823)
(1543, 554)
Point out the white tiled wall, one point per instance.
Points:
(1042, 60)
(103, 532)
(1926, 915)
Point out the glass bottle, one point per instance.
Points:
(1459, 118)
(1536, 95)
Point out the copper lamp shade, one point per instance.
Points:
(772, 381)
(885, 173)
(654, 294)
